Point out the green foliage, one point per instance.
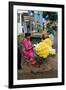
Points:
(52, 15)
(20, 37)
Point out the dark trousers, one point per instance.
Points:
(19, 59)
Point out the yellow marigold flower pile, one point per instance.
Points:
(44, 48)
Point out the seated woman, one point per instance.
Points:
(28, 49)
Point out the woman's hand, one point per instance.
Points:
(27, 49)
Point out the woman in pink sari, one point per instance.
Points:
(28, 49)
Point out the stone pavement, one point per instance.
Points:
(46, 70)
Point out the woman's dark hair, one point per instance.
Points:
(27, 34)
(43, 36)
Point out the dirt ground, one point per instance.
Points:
(49, 69)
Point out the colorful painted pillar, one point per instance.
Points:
(41, 19)
(38, 16)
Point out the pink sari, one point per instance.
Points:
(27, 44)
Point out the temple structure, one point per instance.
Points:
(29, 21)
